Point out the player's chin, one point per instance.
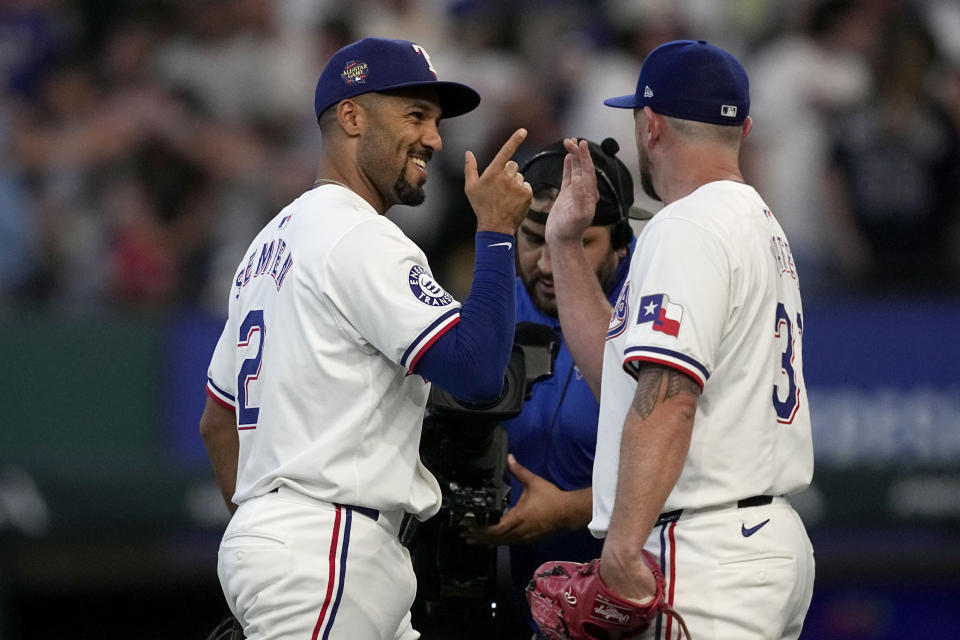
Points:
(409, 194)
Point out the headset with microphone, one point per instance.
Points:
(549, 170)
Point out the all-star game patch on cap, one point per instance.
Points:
(691, 80)
(378, 65)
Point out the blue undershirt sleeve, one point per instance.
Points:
(469, 361)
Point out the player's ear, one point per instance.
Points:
(746, 128)
(652, 125)
(350, 117)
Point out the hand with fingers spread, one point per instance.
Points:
(576, 203)
(499, 196)
(543, 508)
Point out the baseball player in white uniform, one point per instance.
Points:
(318, 383)
(704, 424)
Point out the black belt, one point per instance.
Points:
(755, 501)
(373, 514)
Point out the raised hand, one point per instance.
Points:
(576, 204)
(499, 196)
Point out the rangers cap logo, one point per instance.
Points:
(426, 289)
(377, 65)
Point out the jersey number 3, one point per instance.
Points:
(250, 369)
(790, 391)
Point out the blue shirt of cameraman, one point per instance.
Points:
(555, 437)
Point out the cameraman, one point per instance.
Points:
(552, 441)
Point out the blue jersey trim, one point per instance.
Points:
(673, 354)
(219, 390)
(433, 325)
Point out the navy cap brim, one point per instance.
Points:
(622, 102)
(455, 99)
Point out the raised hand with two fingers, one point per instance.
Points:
(499, 196)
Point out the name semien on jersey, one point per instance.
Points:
(274, 259)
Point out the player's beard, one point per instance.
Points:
(407, 193)
(646, 177)
(374, 156)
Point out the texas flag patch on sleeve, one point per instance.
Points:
(664, 315)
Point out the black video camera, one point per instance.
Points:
(465, 447)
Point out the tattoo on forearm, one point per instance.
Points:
(649, 382)
(648, 390)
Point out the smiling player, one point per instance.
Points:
(319, 381)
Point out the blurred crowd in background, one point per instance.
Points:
(143, 143)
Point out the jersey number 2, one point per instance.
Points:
(787, 408)
(250, 369)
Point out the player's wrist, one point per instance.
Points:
(564, 241)
(620, 562)
(504, 228)
(494, 243)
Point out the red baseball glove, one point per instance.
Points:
(570, 602)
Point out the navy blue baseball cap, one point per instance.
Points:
(377, 65)
(691, 80)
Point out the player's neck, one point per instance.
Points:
(694, 169)
(330, 173)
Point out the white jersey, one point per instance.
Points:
(713, 292)
(329, 312)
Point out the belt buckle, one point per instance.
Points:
(669, 516)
